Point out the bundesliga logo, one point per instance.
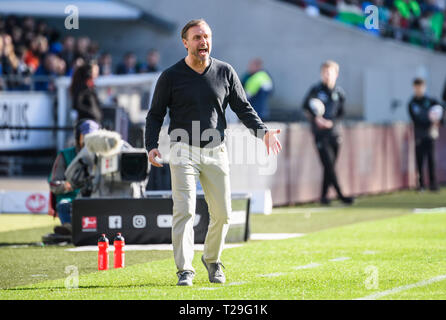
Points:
(89, 224)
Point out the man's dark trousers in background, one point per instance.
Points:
(425, 148)
(328, 148)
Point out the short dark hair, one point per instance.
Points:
(418, 81)
(191, 24)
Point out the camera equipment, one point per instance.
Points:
(109, 167)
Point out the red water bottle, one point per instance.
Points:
(103, 253)
(119, 256)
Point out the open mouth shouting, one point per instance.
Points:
(203, 52)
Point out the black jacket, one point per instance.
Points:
(334, 106)
(419, 113)
(87, 105)
(444, 93)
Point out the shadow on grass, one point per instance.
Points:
(24, 236)
(148, 285)
(21, 244)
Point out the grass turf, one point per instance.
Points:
(401, 250)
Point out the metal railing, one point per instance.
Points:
(16, 82)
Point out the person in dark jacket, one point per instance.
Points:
(324, 105)
(444, 94)
(129, 65)
(426, 131)
(83, 93)
(152, 62)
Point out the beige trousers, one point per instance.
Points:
(211, 166)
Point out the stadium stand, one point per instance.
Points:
(35, 58)
(32, 54)
(419, 22)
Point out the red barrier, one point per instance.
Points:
(372, 159)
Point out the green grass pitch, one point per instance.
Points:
(377, 249)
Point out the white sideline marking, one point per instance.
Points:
(208, 288)
(340, 259)
(315, 210)
(198, 247)
(274, 236)
(429, 210)
(403, 288)
(369, 252)
(237, 283)
(16, 246)
(308, 266)
(270, 275)
(147, 247)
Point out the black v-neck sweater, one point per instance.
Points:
(197, 104)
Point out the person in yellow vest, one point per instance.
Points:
(258, 87)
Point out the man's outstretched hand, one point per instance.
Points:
(152, 154)
(271, 141)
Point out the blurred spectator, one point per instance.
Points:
(42, 28)
(22, 68)
(383, 11)
(105, 64)
(152, 61)
(67, 53)
(426, 132)
(28, 24)
(29, 48)
(258, 86)
(83, 93)
(54, 41)
(51, 67)
(10, 23)
(82, 45)
(420, 22)
(76, 64)
(31, 55)
(23, 71)
(8, 57)
(325, 8)
(42, 46)
(17, 35)
(2, 83)
(444, 94)
(129, 65)
(93, 50)
(61, 67)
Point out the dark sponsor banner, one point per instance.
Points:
(148, 220)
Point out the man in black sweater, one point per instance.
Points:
(324, 125)
(426, 132)
(197, 90)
